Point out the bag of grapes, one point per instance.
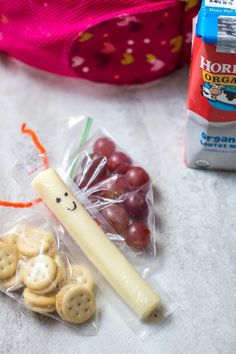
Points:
(117, 186)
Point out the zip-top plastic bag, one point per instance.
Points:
(116, 186)
(82, 227)
(40, 273)
(39, 266)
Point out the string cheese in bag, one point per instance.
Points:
(105, 256)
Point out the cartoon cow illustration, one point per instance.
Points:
(215, 91)
(212, 91)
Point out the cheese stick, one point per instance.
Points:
(105, 256)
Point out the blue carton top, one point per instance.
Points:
(208, 18)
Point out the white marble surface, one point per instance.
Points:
(197, 212)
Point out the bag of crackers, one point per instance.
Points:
(37, 270)
(117, 186)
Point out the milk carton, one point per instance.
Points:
(211, 114)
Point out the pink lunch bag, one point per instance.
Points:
(117, 42)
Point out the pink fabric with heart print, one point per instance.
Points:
(118, 42)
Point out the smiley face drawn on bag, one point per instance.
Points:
(74, 205)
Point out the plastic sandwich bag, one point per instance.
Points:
(42, 275)
(143, 304)
(90, 159)
(116, 186)
(72, 253)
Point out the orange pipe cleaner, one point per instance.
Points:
(39, 146)
(43, 152)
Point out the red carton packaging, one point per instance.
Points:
(211, 105)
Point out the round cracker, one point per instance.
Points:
(23, 257)
(8, 260)
(10, 238)
(41, 309)
(61, 265)
(39, 272)
(14, 282)
(53, 286)
(33, 241)
(76, 304)
(39, 300)
(81, 275)
(51, 253)
(59, 300)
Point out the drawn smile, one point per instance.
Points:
(74, 207)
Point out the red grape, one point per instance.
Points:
(136, 177)
(136, 206)
(104, 147)
(138, 236)
(117, 218)
(111, 190)
(118, 162)
(93, 171)
(122, 184)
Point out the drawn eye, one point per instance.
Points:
(66, 194)
(58, 200)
